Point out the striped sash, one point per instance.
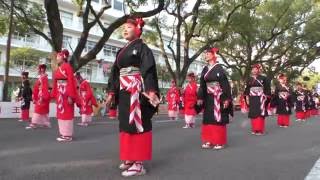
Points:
(215, 90)
(258, 91)
(132, 83)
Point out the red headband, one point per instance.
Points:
(258, 66)
(139, 23)
(42, 66)
(64, 54)
(78, 76)
(282, 76)
(213, 50)
(191, 75)
(25, 73)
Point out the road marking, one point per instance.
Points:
(314, 173)
(155, 121)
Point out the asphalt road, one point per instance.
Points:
(282, 154)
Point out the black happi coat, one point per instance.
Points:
(283, 106)
(139, 55)
(311, 104)
(300, 100)
(216, 74)
(254, 101)
(25, 93)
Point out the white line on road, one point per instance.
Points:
(314, 173)
(155, 121)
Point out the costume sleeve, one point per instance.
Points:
(168, 95)
(35, 91)
(54, 88)
(177, 96)
(291, 97)
(45, 88)
(71, 85)
(27, 92)
(148, 70)
(247, 88)
(267, 87)
(89, 91)
(275, 97)
(203, 87)
(113, 81)
(224, 83)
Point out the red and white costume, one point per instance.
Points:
(173, 99)
(190, 100)
(243, 104)
(86, 101)
(64, 87)
(41, 100)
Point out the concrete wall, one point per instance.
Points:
(12, 110)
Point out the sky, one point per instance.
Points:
(316, 64)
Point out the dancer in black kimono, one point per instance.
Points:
(258, 92)
(215, 96)
(134, 79)
(283, 101)
(300, 101)
(25, 97)
(311, 104)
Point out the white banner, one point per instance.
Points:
(12, 110)
(318, 88)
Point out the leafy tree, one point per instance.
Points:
(12, 21)
(78, 59)
(282, 35)
(310, 78)
(26, 58)
(199, 24)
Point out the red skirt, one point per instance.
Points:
(283, 120)
(25, 114)
(214, 134)
(308, 113)
(135, 147)
(314, 112)
(300, 115)
(258, 124)
(112, 113)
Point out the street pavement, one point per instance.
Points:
(282, 154)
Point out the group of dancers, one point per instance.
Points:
(213, 98)
(68, 90)
(133, 90)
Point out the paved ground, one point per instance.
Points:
(284, 154)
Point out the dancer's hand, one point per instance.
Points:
(225, 104)
(200, 102)
(153, 98)
(70, 101)
(109, 100)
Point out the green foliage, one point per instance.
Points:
(163, 73)
(280, 34)
(79, 4)
(26, 57)
(26, 13)
(314, 79)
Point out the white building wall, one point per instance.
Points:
(72, 29)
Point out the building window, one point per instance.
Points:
(66, 18)
(118, 5)
(109, 50)
(86, 71)
(66, 42)
(89, 45)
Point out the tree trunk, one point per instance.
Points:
(7, 63)
(54, 23)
